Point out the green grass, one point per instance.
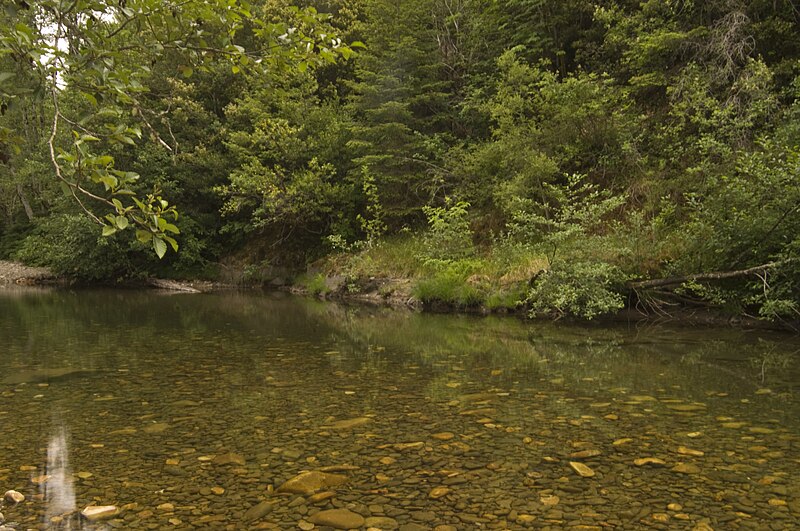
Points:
(449, 286)
(314, 284)
(496, 278)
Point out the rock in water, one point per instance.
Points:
(582, 470)
(348, 423)
(94, 513)
(308, 483)
(688, 451)
(382, 522)
(13, 496)
(229, 459)
(257, 511)
(438, 492)
(686, 468)
(338, 519)
(585, 454)
(649, 461)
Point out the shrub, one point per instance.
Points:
(71, 245)
(581, 289)
(449, 236)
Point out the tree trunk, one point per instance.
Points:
(28, 209)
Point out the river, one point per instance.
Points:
(265, 411)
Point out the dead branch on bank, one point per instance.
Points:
(714, 275)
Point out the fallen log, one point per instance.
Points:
(714, 275)
(172, 285)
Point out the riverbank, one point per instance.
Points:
(17, 273)
(399, 293)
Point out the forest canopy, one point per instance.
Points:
(559, 154)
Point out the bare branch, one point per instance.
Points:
(716, 275)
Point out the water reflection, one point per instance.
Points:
(58, 488)
(188, 411)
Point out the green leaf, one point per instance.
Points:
(6, 75)
(235, 69)
(159, 246)
(108, 181)
(108, 230)
(143, 236)
(121, 222)
(172, 242)
(187, 71)
(90, 98)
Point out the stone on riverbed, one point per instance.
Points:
(649, 461)
(13, 496)
(382, 522)
(585, 454)
(229, 459)
(94, 513)
(688, 451)
(308, 483)
(686, 468)
(338, 519)
(348, 423)
(582, 470)
(258, 511)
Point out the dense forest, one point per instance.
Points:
(570, 157)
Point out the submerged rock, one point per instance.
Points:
(582, 470)
(94, 513)
(382, 522)
(258, 511)
(308, 483)
(348, 423)
(686, 468)
(649, 461)
(13, 496)
(338, 519)
(229, 459)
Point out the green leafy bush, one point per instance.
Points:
(580, 289)
(449, 236)
(71, 245)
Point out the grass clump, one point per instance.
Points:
(314, 284)
(451, 285)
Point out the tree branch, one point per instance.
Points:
(714, 275)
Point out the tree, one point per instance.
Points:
(85, 65)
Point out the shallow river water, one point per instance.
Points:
(260, 411)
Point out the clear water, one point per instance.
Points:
(186, 411)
